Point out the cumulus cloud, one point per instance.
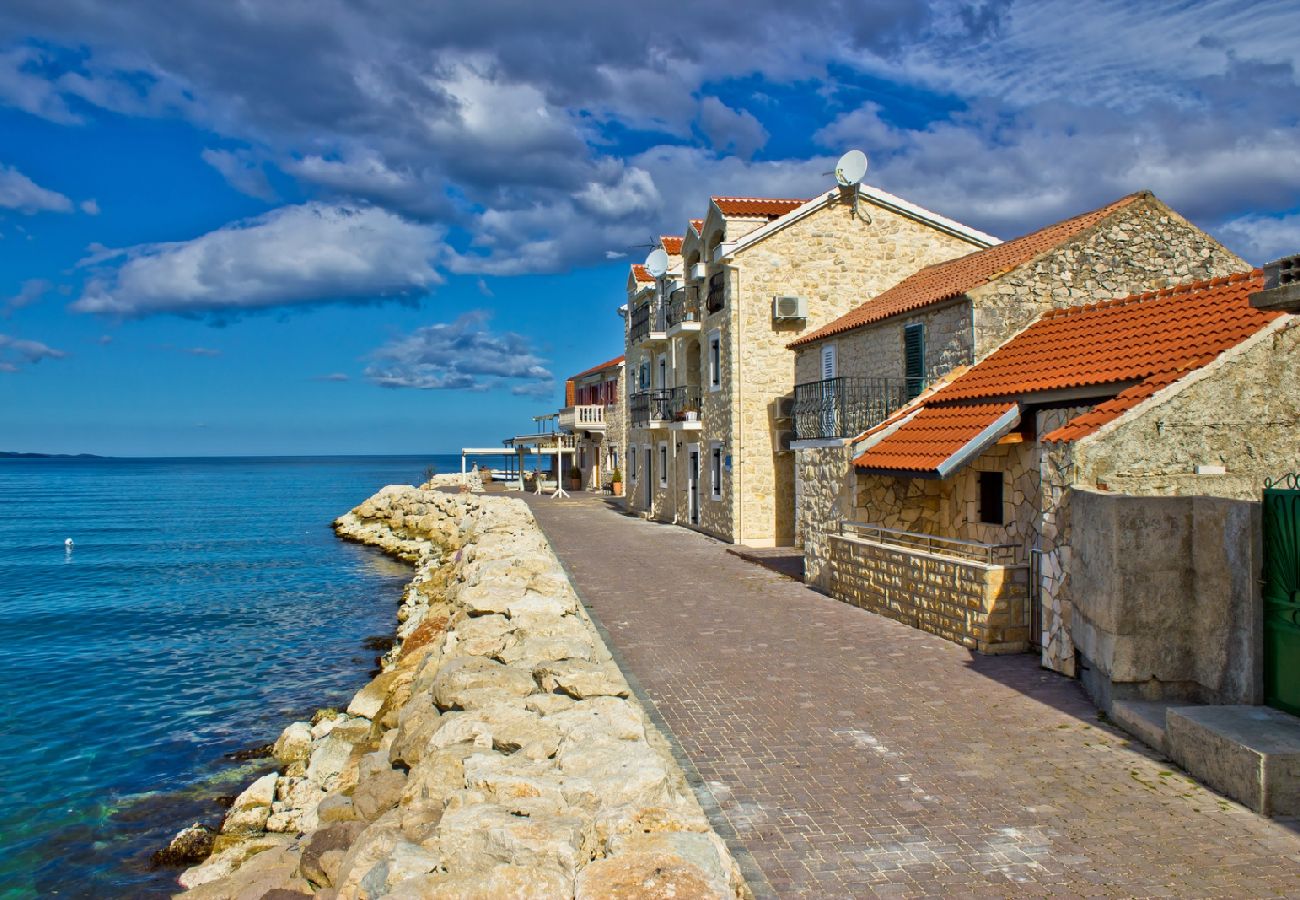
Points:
(31, 291)
(17, 353)
(19, 192)
(1262, 239)
(295, 255)
(731, 130)
(460, 355)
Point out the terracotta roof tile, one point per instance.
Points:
(641, 273)
(755, 207)
(946, 280)
(608, 364)
(935, 433)
(672, 244)
(698, 225)
(1134, 346)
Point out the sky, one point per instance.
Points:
(343, 226)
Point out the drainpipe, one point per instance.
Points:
(738, 479)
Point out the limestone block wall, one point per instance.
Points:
(824, 486)
(1142, 246)
(979, 606)
(836, 261)
(1241, 412)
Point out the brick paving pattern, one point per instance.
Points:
(854, 756)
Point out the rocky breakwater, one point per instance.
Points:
(499, 753)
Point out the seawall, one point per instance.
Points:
(499, 752)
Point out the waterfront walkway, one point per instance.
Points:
(850, 755)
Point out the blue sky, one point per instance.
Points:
(351, 227)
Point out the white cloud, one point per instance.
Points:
(16, 353)
(242, 172)
(31, 291)
(19, 192)
(1262, 239)
(731, 130)
(459, 355)
(90, 207)
(293, 255)
(332, 376)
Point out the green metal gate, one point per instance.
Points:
(1281, 592)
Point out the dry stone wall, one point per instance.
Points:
(498, 754)
(824, 485)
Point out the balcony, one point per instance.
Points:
(684, 310)
(675, 408)
(582, 418)
(716, 299)
(845, 407)
(648, 322)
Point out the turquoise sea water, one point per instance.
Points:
(205, 604)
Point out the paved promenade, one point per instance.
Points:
(854, 756)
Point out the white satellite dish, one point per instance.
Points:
(657, 263)
(851, 168)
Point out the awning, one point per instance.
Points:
(935, 441)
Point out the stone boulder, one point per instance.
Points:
(581, 679)
(293, 744)
(484, 834)
(251, 808)
(464, 674)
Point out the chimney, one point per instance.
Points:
(1281, 286)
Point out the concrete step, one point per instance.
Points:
(1144, 719)
(1250, 753)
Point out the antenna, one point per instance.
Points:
(657, 263)
(849, 172)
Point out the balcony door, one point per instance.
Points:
(648, 473)
(693, 483)
(830, 400)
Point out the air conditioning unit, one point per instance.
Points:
(781, 438)
(784, 408)
(789, 308)
(699, 272)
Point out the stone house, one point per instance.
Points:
(594, 413)
(1153, 413)
(857, 369)
(709, 412)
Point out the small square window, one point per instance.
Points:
(991, 498)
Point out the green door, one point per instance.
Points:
(1282, 595)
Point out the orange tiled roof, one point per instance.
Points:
(1135, 346)
(672, 244)
(946, 280)
(594, 369)
(925, 441)
(698, 225)
(755, 207)
(641, 273)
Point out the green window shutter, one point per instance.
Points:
(914, 358)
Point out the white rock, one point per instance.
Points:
(293, 744)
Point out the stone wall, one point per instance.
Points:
(983, 607)
(1164, 598)
(499, 753)
(824, 485)
(1143, 246)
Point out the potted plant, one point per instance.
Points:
(616, 482)
(575, 479)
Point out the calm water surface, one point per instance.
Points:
(206, 604)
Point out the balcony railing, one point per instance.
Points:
(717, 296)
(647, 317)
(679, 404)
(988, 554)
(684, 306)
(582, 418)
(846, 407)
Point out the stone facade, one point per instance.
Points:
(831, 259)
(984, 607)
(597, 452)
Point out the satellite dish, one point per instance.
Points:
(657, 263)
(851, 168)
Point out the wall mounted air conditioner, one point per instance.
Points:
(698, 272)
(789, 308)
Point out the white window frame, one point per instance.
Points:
(715, 475)
(663, 464)
(715, 360)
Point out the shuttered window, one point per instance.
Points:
(914, 358)
(828, 362)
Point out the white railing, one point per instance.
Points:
(582, 418)
(989, 554)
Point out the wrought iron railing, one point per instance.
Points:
(717, 296)
(684, 403)
(649, 406)
(647, 317)
(684, 305)
(988, 554)
(844, 407)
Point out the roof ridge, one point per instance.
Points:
(760, 199)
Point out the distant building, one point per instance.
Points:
(594, 415)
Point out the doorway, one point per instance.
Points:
(649, 478)
(693, 483)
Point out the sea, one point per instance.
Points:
(203, 605)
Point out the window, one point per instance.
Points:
(914, 358)
(715, 470)
(631, 461)
(663, 372)
(828, 362)
(991, 498)
(644, 379)
(613, 457)
(663, 465)
(715, 360)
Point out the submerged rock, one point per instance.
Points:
(192, 845)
